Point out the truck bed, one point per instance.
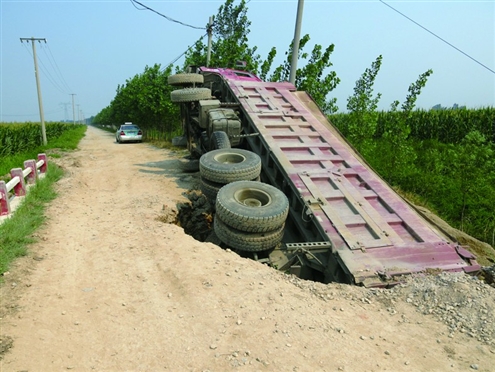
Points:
(374, 234)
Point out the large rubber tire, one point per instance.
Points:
(219, 140)
(252, 206)
(190, 95)
(185, 79)
(244, 241)
(210, 190)
(229, 165)
(189, 165)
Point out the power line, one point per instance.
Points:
(57, 69)
(45, 71)
(438, 37)
(134, 2)
(52, 80)
(175, 60)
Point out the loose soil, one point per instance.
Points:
(112, 284)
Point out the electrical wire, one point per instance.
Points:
(49, 76)
(438, 37)
(176, 59)
(57, 69)
(44, 70)
(134, 2)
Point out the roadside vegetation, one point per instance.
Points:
(22, 141)
(16, 232)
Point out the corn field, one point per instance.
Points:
(20, 137)
(446, 126)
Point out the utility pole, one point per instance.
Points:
(208, 55)
(40, 100)
(78, 113)
(65, 104)
(295, 43)
(73, 109)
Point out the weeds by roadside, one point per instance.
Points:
(16, 231)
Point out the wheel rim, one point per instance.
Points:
(252, 198)
(229, 158)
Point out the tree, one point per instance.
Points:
(230, 44)
(473, 172)
(397, 154)
(230, 40)
(312, 77)
(363, 118)
(145, 100)
(104, 117)
(267, 64)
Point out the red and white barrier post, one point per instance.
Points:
(18, 180)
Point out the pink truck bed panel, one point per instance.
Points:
(372, 229)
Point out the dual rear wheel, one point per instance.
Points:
(250, 216)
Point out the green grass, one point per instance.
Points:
(16, 232)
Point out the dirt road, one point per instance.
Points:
(109, 287)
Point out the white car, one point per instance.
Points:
(129, 133)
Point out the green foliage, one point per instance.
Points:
(472, 172)
(396, 155)
(267, 64)
(386, 144)
(16, 232)
(230, 40)
(144, 100)
(451, 125)
(231, 27)
(19, 137)
(68, 137)
(311, 77)
(459, 181)
(230, 44)
(362, 119)
(282, 72)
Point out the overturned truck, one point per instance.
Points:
(290, 190)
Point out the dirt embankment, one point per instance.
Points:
(110, 287)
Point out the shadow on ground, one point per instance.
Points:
(184, 178)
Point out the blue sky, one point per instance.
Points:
(93, 46)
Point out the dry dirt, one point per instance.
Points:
(110, 287)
